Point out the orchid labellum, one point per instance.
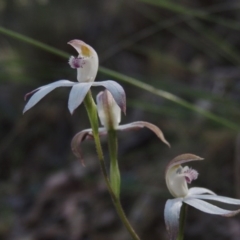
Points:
(177, 180)
(86, 64)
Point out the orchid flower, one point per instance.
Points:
(87, 66)
(110, 116)
(177, 178)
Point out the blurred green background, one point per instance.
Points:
(187, 48)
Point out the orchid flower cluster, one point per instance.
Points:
(108, 107)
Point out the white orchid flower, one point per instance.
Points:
(177, 178)
(110, 116)
(87, 66)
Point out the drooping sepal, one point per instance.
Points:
(77, 140)
(171, 217)
(82, 136)
(141, 124)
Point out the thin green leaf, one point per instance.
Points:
(130, 80)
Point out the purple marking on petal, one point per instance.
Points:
(30, 93)
(76, 62)
(190, 175)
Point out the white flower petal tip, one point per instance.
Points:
(210, 208)
(231, 213)
(41, 92)
(142, 124)
(181, 159)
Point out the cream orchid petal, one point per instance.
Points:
(41, 92)
(209, 208)
(141, 124)
(218, 198)
(171, 217)
(77, 95)
(175, 175)
(108, 111)
(198, 191)
(88, 66)
(117, 92)
(176, 182)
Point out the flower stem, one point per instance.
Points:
(182, 222)
(115, 178)
(92, 114)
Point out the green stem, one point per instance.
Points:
(182, 222)
(115, 178)
(92, 114)
(124, 219)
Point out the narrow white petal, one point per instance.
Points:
(171, 216)
(77, 95)
(207, 207)
(199, 190)
(44, 90)
(117, 92)
(222, 199)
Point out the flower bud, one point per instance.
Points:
(108, 111)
